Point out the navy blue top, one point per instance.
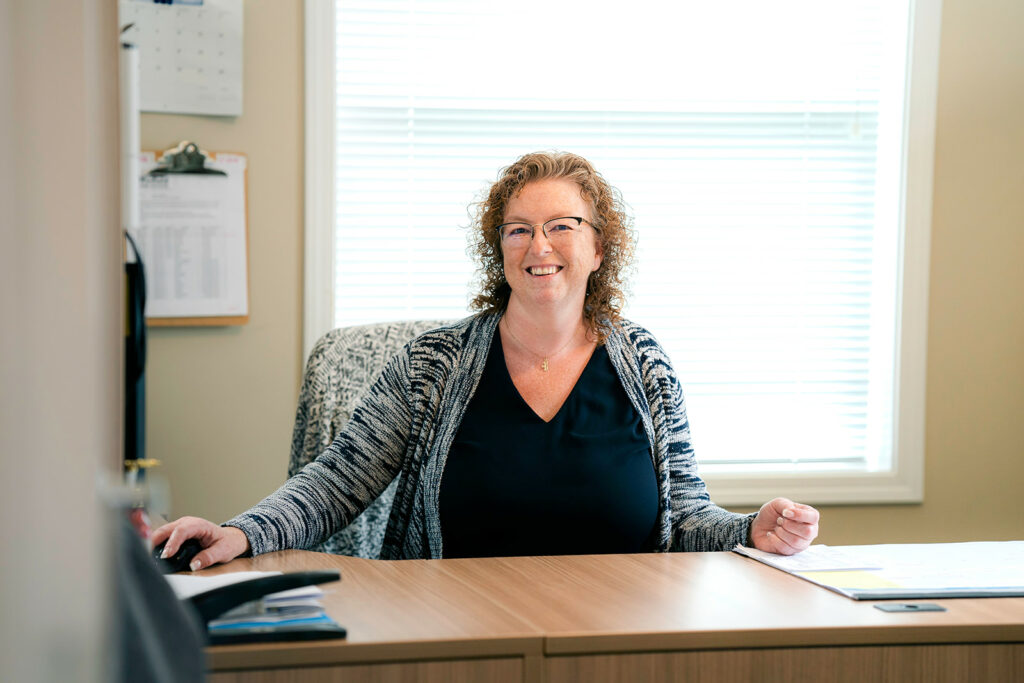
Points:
(582, 483)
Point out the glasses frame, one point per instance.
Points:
(533, 227)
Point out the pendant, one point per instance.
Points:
(544, 365)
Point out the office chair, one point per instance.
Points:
(341, 367)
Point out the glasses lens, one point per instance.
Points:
(561, 228)
(516, 232)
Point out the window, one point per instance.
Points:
(777, 161)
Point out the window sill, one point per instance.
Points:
(851, 487)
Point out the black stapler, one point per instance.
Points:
(213, 603)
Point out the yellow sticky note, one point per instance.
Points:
(850, 579)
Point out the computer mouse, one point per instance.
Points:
(179, 561)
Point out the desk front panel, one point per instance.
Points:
(973, 663)
(508, 670)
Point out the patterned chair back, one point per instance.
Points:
(343, 364)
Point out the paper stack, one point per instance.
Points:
(901, 571)
(295, 614)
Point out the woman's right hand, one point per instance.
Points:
(220, 543)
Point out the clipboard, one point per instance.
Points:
(194, 233)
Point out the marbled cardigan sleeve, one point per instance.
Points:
(331, 491)
(698, 525)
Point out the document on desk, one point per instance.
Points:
(907, 571)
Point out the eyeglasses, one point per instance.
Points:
(557, 230)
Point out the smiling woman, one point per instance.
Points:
(544, 424)
(571, 187)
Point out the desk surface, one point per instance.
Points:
(496, 607)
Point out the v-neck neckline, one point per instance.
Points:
(498, 349)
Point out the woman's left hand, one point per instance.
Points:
(784, 527)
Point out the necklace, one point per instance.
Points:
(544, 359)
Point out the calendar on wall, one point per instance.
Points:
(190, 54)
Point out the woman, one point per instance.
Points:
(545, 424)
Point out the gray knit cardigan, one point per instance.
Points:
(408, 420)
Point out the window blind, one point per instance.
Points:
(756, 144)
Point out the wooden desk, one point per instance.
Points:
(654, 617)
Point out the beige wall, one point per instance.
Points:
(221, 400)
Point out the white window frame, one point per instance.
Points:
(904, 483)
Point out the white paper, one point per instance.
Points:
(186, 585)
(192, 238)
(190, 55)
(977, 565)
(815, 558)
(917, 568)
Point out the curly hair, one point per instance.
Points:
(614, 227)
